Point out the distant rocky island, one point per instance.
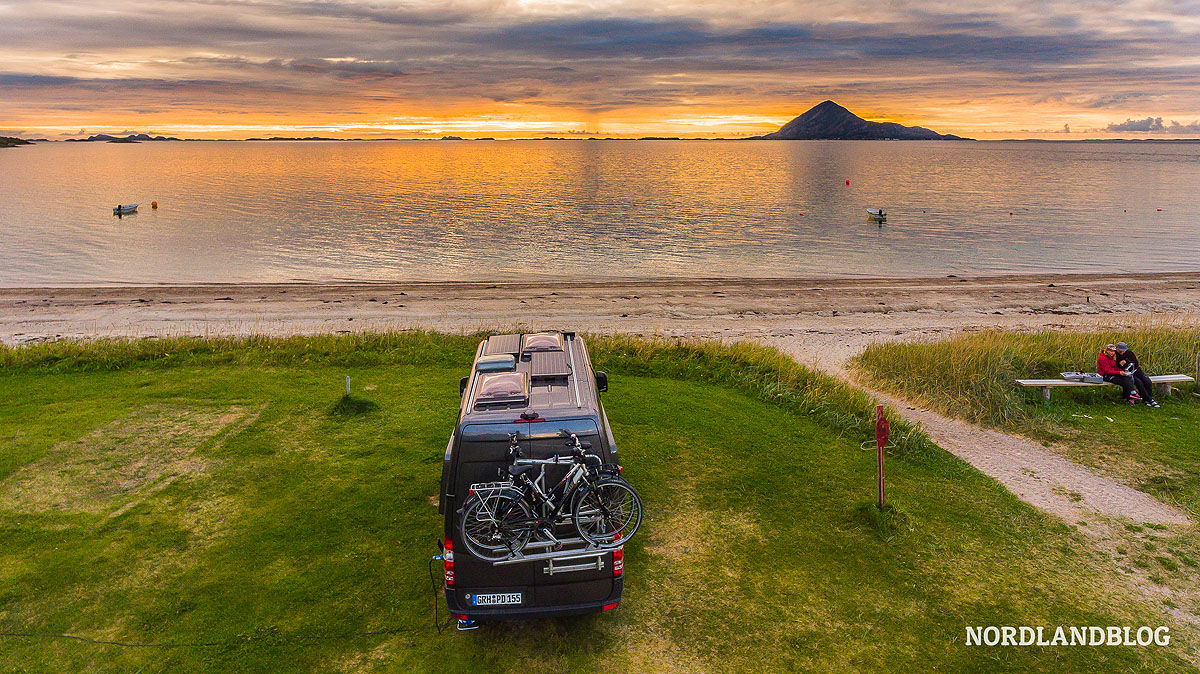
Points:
(300, 138)
(830, 121)
(131, 138)
(9, 141)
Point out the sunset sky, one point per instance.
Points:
(380, 68)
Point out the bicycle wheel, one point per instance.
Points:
(608, 513)
(496, 525)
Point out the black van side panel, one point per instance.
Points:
(447, 471)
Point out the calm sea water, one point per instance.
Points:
(480, 210)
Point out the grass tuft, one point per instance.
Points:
(352, 406)
(887, 523)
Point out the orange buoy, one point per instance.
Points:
(153, 204)
(847, 181)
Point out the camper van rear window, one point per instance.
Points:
(502, 388)
(543, 341)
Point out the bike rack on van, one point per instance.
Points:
(573, 549)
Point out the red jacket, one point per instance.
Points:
(1107, 365)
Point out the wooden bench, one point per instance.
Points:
(1163, 383)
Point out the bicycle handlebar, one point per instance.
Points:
(574, 442)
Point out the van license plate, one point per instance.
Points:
(500, 599)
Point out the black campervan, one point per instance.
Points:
(533, 396)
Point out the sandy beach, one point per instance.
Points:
(820, 321)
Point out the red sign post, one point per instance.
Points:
(881, 438)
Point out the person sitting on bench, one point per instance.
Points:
(1106, 366)
(1128, 361)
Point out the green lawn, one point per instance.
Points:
(196, 492)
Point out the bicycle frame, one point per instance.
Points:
(551, 504)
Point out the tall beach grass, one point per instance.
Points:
(762, 371)
(973, 375)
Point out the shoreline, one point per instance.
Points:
(610, 281)
(821, 322)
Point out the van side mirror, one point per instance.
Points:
(601, 382)
(462, 386)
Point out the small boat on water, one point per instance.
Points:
(877, 215)
(125, 209)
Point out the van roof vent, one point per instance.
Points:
(502, 388)
(501, 362)
(542, 341)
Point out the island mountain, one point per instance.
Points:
(131, 138)
(830, 121)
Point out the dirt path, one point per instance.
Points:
(1037, 476)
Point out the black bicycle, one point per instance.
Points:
(500, 518)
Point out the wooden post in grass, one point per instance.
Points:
(881, 438)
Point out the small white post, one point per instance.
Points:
(347, 384)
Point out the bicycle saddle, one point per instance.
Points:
(520, 470)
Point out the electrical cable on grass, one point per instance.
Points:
(200, 644)
(433, 585)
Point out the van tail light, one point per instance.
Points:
(448, 562)
(618, 562)
(609, 607)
